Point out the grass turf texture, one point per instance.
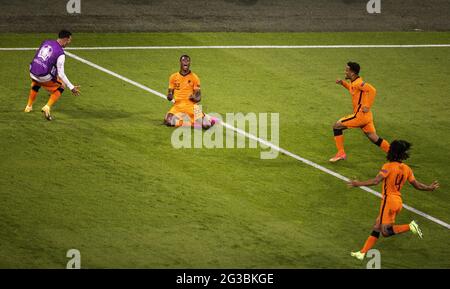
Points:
(103, 177)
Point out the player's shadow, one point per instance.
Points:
(96, 114)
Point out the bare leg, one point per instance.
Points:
(374, 138)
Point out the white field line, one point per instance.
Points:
(241, 47)
(262, 141)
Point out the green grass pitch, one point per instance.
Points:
(103, 177)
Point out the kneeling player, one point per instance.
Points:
(184, 91)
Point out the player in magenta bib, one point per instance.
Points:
(47, 70)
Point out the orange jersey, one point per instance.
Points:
(363, 94)
(183, 86)
(395, 175)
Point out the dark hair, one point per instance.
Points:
(64, 34)
(354, 67)
(398, 151)
(184, 55)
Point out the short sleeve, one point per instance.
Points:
(196, 82)
(172, 82)
(411, 177)
(384, 171)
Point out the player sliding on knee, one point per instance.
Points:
(47, 71)
(184, 92)
(393, 175)
(363, 96)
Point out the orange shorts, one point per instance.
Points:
(187, 112)
(51, 86)
(362, 120)
(389, 209)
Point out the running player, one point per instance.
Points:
(47, 71)
(394, 175)
(363, 96)
(184, 91)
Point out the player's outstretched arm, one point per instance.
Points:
(372, 182)
(422, 187)
(343, 83)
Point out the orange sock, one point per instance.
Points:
(385, 146)
(32, 97)
(339, 143)
(370, 242)
(54, 98)
(398, 229)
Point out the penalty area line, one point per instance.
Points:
(261, 141)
